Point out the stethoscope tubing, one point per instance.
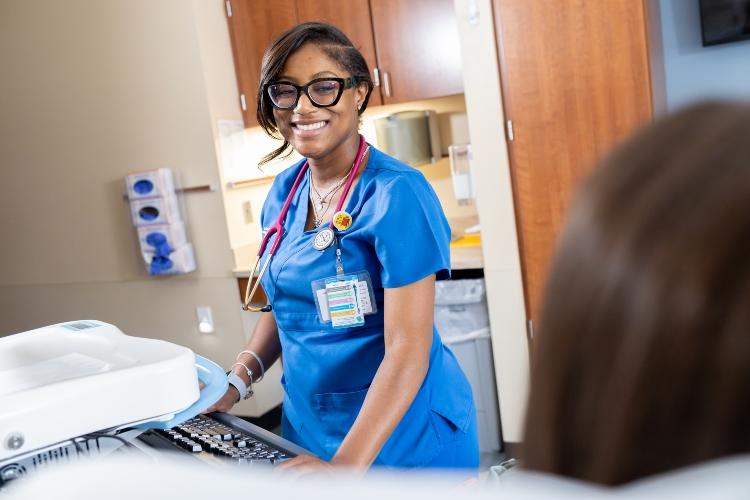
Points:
(278, 227)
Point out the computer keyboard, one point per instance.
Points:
(219, 440)
(232, 440)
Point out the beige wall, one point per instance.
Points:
(93, 90)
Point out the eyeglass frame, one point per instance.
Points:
(344, 83)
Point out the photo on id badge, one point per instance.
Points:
(344, 300)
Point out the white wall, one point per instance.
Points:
(502, 267)
(694, 72)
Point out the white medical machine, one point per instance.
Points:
(62, 384)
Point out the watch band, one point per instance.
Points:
(239, 384)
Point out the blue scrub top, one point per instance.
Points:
(400, 235)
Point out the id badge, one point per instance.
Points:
(344, 300)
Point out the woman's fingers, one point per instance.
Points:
(298, 461)
(303, 465)
(227, 401)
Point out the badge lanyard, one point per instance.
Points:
(344, 299)
(278, 229)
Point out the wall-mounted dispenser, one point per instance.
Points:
(463, 183)
(159, 182)
(156, 215)
(411, 136)
(163, 210)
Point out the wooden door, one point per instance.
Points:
(353, 18)
(253, 25)
(417, 48)
(575, 81)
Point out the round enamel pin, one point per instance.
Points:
(342, 220)
(323, 239)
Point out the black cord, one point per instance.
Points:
(77, 445)
(98, 435)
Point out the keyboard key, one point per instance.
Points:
(261, 461)
(203, 433)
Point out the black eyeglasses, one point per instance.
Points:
(322, 92)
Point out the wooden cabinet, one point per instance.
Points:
(253, 25)
(411, 46)
(418, 49)
(575, 81)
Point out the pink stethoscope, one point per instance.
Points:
(323, 239)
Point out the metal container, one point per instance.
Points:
(411, 136)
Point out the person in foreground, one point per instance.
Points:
(643, 359)
(361, 239)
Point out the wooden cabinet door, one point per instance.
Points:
(417, 48)
(353, 18)
(575, 81)
(253, 25)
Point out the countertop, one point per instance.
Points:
(462, 257)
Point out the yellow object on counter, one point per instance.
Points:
(469, 240)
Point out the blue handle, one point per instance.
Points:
(216, 385)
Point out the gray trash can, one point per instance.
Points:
(462, 320)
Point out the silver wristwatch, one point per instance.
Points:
(239, 384)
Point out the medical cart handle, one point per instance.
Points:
(216, 385)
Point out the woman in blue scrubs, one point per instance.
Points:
(381, 389)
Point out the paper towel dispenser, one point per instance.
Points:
(411, 136)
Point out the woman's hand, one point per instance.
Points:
(229, 399)
(302, 465)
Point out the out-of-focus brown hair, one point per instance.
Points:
(643, 358)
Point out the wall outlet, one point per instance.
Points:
(247, 212)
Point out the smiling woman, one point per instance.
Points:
(321, 64)
(351, 289)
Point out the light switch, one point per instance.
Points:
(247, 212)
(205, 319)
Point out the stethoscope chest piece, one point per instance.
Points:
(323, 239)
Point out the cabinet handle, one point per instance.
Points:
(243, 102)
(387, 83)
(376, 77)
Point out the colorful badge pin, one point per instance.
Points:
(342, 220)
